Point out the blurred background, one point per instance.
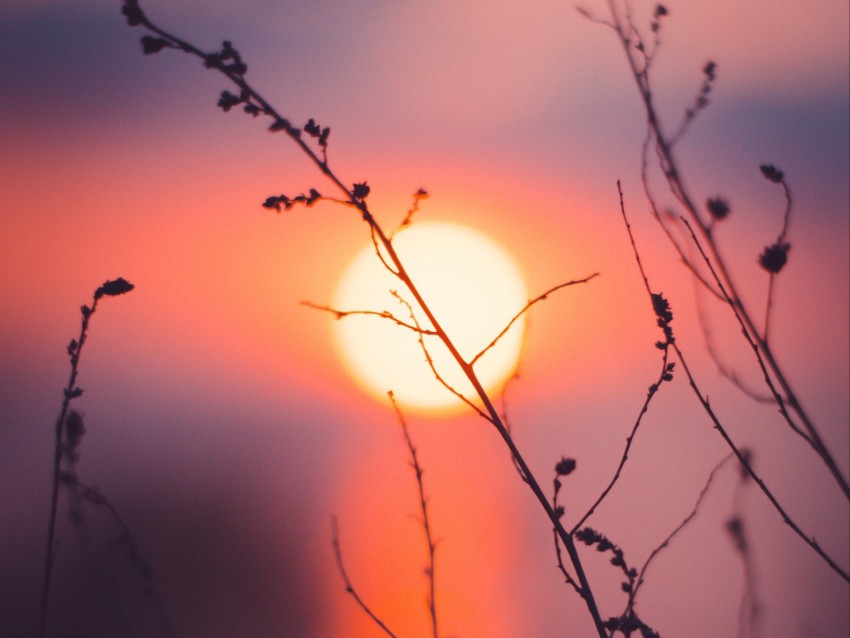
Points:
(220, 421)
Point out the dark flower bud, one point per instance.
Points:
(311, 128)
(280, 125)
(774, 257)
(227, 101)
(772, 173)
(565, 467)
(132, 12)
(735, 528)
(151, 45)
(361, 191)
(114, 288)
(717, 207)
(660, 10)
(662, 308)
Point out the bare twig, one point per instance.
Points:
(382, 314)
(525, 309)
(664, 375)
(666, 542)
(423, 505)
(780, 241)
(418, 196)
(72, 391)
(778, 399)
(564, 467)
(348, 586)
(430, 360)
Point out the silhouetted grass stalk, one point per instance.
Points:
(71, 391)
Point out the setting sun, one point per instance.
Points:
(472, 285)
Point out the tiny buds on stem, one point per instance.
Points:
(772, 173)
(565, 467)
(774, 257)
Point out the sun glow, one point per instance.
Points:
(473, 287)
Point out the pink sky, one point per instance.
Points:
(221, 422)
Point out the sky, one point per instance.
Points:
(220, 420)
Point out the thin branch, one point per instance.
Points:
(418, 196)
(750, 608)
(780, 401)
(430, 361)
(373, 235)
(725, 370)
(110, 289)
(664, 375)
(811, 542)
(779, 242)
(675, 532)
(382, 314)
(525, 309)
(423, 505)
(559, 509)
(503, 395)
(348, 586)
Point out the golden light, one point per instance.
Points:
(473, 287)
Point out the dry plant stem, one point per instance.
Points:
(675, 532)
(561, 567)
(423, 505)
(811, 542)
(70, 392)
(94, 496)
(348, 586)
(664, 150)
(383, 314)
(525, 309)
(430, 361)
(282, 124)
(776, 396)
(653, 389)
(742, 458)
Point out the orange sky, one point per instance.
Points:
(219, 418)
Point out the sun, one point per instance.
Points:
(473, 287)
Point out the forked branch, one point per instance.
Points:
(228, 62)
(348, 586)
